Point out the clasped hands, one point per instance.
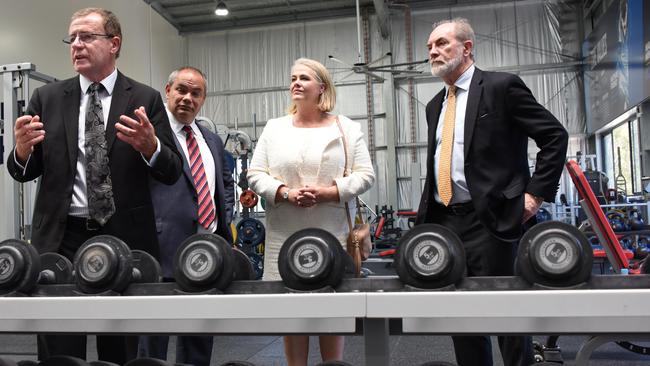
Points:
(309, 196)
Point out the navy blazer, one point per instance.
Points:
(55, 159)
(176, 206)
(501, 115)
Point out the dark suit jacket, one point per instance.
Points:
(501, 115)
(176, 206)
(55, 159)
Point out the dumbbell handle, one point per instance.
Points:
(47, 277)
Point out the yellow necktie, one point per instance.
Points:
(444, 163)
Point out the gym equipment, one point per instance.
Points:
(60, 360)
(146, 361)
(311, 259)
(237, 363)
(634, 219)
(248, 198)
(250, 233)
(430, 256)
(7, 362)
(543, 215)
(27, 363)
(105, 263)
(19, 266)
(616, 219)
(258, 264)
(102, 363)
(204, 262)
(554, 254)
(601, 227)
(17, 270)
(243, 266)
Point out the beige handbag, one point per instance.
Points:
(359, 244)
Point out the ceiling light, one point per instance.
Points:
(221, 9)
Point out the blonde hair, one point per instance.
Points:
(327, 100)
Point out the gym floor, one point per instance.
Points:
(405, 350)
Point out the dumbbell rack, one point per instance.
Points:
(607, 307)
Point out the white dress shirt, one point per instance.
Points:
(458, 182)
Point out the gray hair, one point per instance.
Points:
(462, 30)
(174, 75)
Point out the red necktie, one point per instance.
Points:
(206, 207)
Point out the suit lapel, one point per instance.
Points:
(473, 101)
(436, 108)
(71, 102)
(186, 164)
(119, 102)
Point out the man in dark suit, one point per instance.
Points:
(179, 208)
(478, 181)
(94, 141)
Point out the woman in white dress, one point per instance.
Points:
(298, 167)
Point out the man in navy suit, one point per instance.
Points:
(478, 181)
(57, 142)
(181, 209)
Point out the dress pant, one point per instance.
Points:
(116, 349)
(485, 256)
(192, 350)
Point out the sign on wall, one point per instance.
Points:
(617, 71)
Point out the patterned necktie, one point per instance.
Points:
(206, 207)
(98, 175)
(444, 163)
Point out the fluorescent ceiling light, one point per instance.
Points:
(221, 9)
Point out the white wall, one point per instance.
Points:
(31, 31)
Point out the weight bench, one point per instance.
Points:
(603, 230)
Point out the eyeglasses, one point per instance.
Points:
(84, 37)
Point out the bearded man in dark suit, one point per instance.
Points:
(478, 181)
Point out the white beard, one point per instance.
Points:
(441, 70)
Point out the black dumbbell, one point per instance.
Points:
(60, 360)
(102, 363)
(311, 259)
(7, 362)
(243, 266)
(146, 361)
(554, 254)
(105, 263)
(21, 268)
(430, 256)
(27, 363)
(204, 262)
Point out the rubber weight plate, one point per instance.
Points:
(19, 266)
(55, 269)
(554, 254)
(243, 267)
(202, 262)
(7, 362)
(430, 256)
(103, 263)
(258, 264)
(250, 232)
(146, 268)
(60, 360)
(310, 259)
(145, 361)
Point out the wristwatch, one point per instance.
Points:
(285, 195)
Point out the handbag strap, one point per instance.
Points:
(345, 174)
(345, 169)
